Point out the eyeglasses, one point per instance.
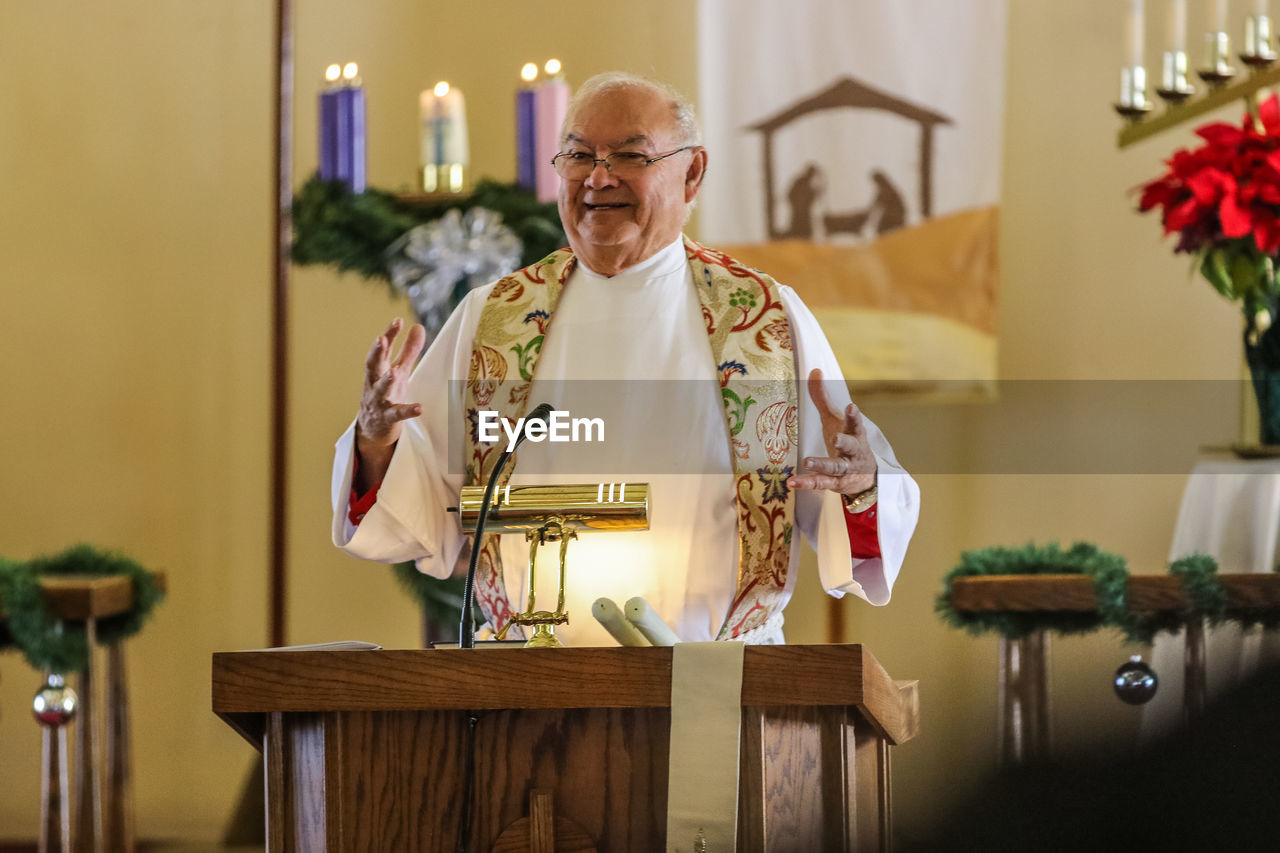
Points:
(577, 165)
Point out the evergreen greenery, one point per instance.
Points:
(439, 598)
(63, 648)
(1110, 582)
(352, 231)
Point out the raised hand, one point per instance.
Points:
(382, 410)
(849, 466)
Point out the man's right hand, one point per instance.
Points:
(385, 384)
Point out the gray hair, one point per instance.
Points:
(682, 112)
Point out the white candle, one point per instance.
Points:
(609, 615)
(1218, 16)
(1177, 25)
(647, 620)
(1133, 33)
(443, 114)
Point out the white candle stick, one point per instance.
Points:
(1218, 16)
(1177, 25)
(1133, 33)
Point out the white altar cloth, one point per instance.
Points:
(1230, 511)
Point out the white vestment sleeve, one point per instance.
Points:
(820, 514)
(410, 519)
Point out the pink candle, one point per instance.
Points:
(550, 103)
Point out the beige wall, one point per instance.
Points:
(135, 148)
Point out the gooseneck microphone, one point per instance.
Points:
(467, 625)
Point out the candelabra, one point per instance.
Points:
(1223, 82)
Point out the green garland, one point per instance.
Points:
(64, 648)
(351, 231)
(439, 598)
(1108, 570)
(1110, 583)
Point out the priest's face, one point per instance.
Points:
(616, 222)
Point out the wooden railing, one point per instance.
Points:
(1024, 730)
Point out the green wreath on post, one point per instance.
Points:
(1110, 576)
(48, 643)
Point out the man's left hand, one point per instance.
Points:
(849, 466)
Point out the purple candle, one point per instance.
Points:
(359, 160)
(350, 110)
(525, 130)
(328, 143)
(342, 134)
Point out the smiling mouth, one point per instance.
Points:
(590, 206)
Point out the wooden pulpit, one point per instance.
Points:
(369, 750)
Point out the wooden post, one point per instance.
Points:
(119, 766)
(89, 832)
(55, 802)
(282, 237)
(1023, 695)
(835, 620)
(103, 797)
(1194, 688)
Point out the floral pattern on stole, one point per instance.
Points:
(750, 341)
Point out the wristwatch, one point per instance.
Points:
(862, 501)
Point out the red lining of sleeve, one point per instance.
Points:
(864, 536)
(359, 505)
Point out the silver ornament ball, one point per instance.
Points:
(54, 703)
(1135, 682)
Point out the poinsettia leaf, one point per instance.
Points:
(1214, 269)
(1209, 185)
(1269, 113)
(1220, 134)
(1237, 219)
(1244, 274)
(1183, 215)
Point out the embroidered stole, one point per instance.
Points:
(751, 347)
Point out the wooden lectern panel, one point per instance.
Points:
(366, 750)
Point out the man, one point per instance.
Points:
(713, 376)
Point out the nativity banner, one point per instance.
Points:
(855, 150)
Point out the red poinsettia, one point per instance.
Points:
(1223, 201)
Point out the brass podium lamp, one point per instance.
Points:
(555, 514)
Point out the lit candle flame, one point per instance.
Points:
(333, 72)
(442, 89)
(350, 70)
(552, 66)
(529, 72)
